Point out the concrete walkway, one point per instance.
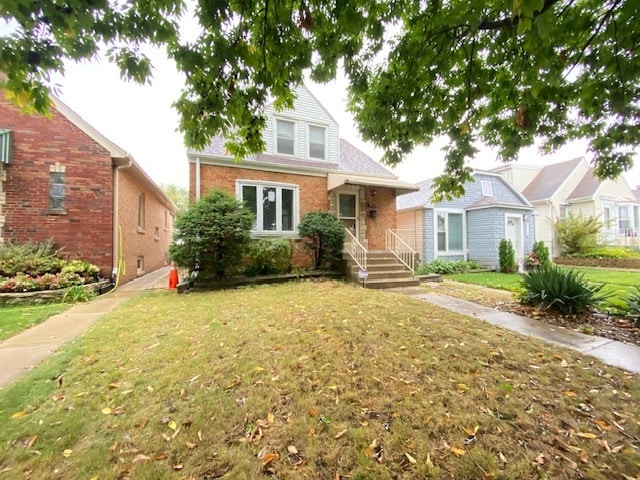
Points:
(24, 351)
(611, 352)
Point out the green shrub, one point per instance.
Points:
(31, 258)
(324, 236)
(78, 294)
(445, 267)
(507, 257)
(83, 268)
(212, 236)
(269, 256)
(562, 290)
(608, 252)
(542, 253)
(577, 234)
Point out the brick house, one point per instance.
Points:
(60, 179)
(306, 167)
(469, 227)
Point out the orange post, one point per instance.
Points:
(173, 277)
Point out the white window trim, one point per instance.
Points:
(278, 185)
(487, 189)
(448, 252)
(326, 142)
(275, 136)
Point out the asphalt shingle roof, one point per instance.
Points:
(587, 186)
(549, 179)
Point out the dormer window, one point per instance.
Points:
(285, 137)
(317, 142)
(487, 191)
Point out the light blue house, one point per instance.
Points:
(469, 227)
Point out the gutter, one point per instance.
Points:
(118, 163)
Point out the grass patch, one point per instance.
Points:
(503, 281)
(315, 380)
(13, 320)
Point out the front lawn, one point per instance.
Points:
(319, 381)
(15, 319)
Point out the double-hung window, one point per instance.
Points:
(317, 142)
(275, 206)
(449, 232)
(285, 137)
(623, 218)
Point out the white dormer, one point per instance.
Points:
(308, 132)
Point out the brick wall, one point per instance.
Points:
(40, 144)
(151, 242)
(385, 207)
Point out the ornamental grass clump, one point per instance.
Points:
(560, 290)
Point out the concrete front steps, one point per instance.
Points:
(385, 271)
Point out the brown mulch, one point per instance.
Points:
(600, 324)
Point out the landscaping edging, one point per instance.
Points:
(632, 263)
(44, 296)
(233, 282)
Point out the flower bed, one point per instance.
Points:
(45, 296)
(633, 263)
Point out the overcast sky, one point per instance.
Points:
(140, 119)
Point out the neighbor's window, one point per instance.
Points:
(140, 211)
(317, 142)
(623, 218)
(56, 191)
(450, 232)
(274, 206)
(564, 211)
(285, 137)
(487, 191)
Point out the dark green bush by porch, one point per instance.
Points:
(212, 236)
(269, 256)
(324, 236)
(542, 253)
(446, 267)
(507, 257)
(561, 290)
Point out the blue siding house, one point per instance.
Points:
(469, 227)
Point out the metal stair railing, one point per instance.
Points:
(401, 250)
(355, 250)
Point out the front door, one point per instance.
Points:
(513, 232)
(348, 211)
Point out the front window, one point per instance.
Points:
(450, 232)
(623, 218)
(317, 142)
(285, 137)
(274, 206)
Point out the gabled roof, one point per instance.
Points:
(422, 198)
(636, 192)
(587, 187)
(549, 180)
(118, 155)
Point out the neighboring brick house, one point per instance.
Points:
(60, 179)
(306, 167)
(469, 227)
(571, 187)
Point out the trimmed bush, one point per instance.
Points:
(542, 253)
(445, 267)
(324, 236)
(30, 258)
(577, 234)
(561, 290)
(83, 268)
(212, 236)
(269, 256)
(507, 257)
(608, 252)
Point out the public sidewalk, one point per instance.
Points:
(611, 352)
(22, 352)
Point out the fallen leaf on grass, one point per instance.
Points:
(458, 452)
(268, 458)
(160, 456)
(140, 458)
(586, 435)
(428, 462)
(106, 411)
(271, 418)
(20, 414)
(410, 458)
(341, 433)
(113, 385)
(172, 425)
(67, 453)
(190, 445)
(143, 422)
(502, 458)
(81, 394)
(178, 466)
(292, 450)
